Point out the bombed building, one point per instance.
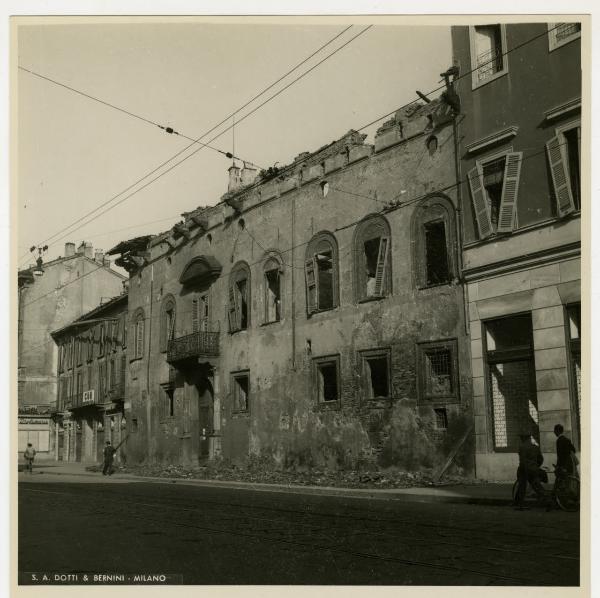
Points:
(314, 316)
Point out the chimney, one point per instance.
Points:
(248, 175)
(69, 249)
(99, 256)
(86, 249)
(234, 178)
(106, 262)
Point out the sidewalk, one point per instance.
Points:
(482, 494)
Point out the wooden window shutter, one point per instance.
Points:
(139, 336)
(312, 285)
(382, 258)
(560, 179)
(480, 205)
(233, 308)
(510, 190)
(195, 315)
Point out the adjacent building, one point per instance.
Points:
(315, 316)
(49, 296)
(520, 135)
(91, 382)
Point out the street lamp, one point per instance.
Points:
(38, 269)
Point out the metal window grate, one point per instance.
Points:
(441, 418)
(489, 63)
(566, 30)
(438, 380)
(514, 405)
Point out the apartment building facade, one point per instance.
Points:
(520, 147)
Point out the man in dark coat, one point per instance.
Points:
(565, 451)
(109, 453)
(530, 459)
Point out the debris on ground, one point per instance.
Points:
(261, 472)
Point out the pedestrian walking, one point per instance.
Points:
(109, 454)
(528, 472)
(29, 455)
(566, 460)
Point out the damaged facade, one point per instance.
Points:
(520, 160)
(92, 363)
(315, 316)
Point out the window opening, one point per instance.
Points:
(241, 288)
(436, 253)
(273, 295)
(325, 275)
(438, 374)
(327, 381)
(511, 380)
(572, 148)
(493, 179)
(241, 386)
(371, 248)
(377, 376)
(488, 48)
(564, 31)
(441, 418)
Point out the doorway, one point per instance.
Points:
(205, 418)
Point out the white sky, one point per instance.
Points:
(75, 154)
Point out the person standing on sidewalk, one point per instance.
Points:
(109, 454)
(566, 461)
(530, 459)
(29, 455)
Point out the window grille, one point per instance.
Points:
(565, 30)
(438, 377)
(441, 418)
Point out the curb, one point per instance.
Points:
(388, 494)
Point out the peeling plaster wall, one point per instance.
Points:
(284, 420)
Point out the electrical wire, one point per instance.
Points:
(255, 97)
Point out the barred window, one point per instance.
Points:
(488, 53)
(560, 34)
(438, 371)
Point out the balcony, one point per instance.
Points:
(191, 346)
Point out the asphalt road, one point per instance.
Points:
(231, 536)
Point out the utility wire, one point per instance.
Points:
(286, 169)
(227, 118)
(213, 138)
(167, 129)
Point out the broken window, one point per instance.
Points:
(438, 370)
(326, 370)
(168, 402)
(240, 390)
(564, 152)
(272, 291)
(511, 380)
(376, 371)
(574, 335)
(321, 274)
(494, 190)
(487, 53)
(372, 258)
(239, 298)
(167, 322)
(436, 254)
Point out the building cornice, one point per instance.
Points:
(558, 111)
(493, 139)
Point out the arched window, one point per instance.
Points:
(321, 271)
(272, 280)
(434, 242)
(167, 321)
(138, 333)
(239, 297)
(372, 258)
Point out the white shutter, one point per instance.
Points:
(560, 179)
(510, 190)
(480, 204)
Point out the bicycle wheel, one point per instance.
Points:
(567, 493)
(515, 488)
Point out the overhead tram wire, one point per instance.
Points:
(227, 118)
(70, 232)
(284, 170)
(167, 129)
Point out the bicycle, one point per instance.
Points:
(565, 493)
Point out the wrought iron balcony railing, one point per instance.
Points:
(197, 344)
